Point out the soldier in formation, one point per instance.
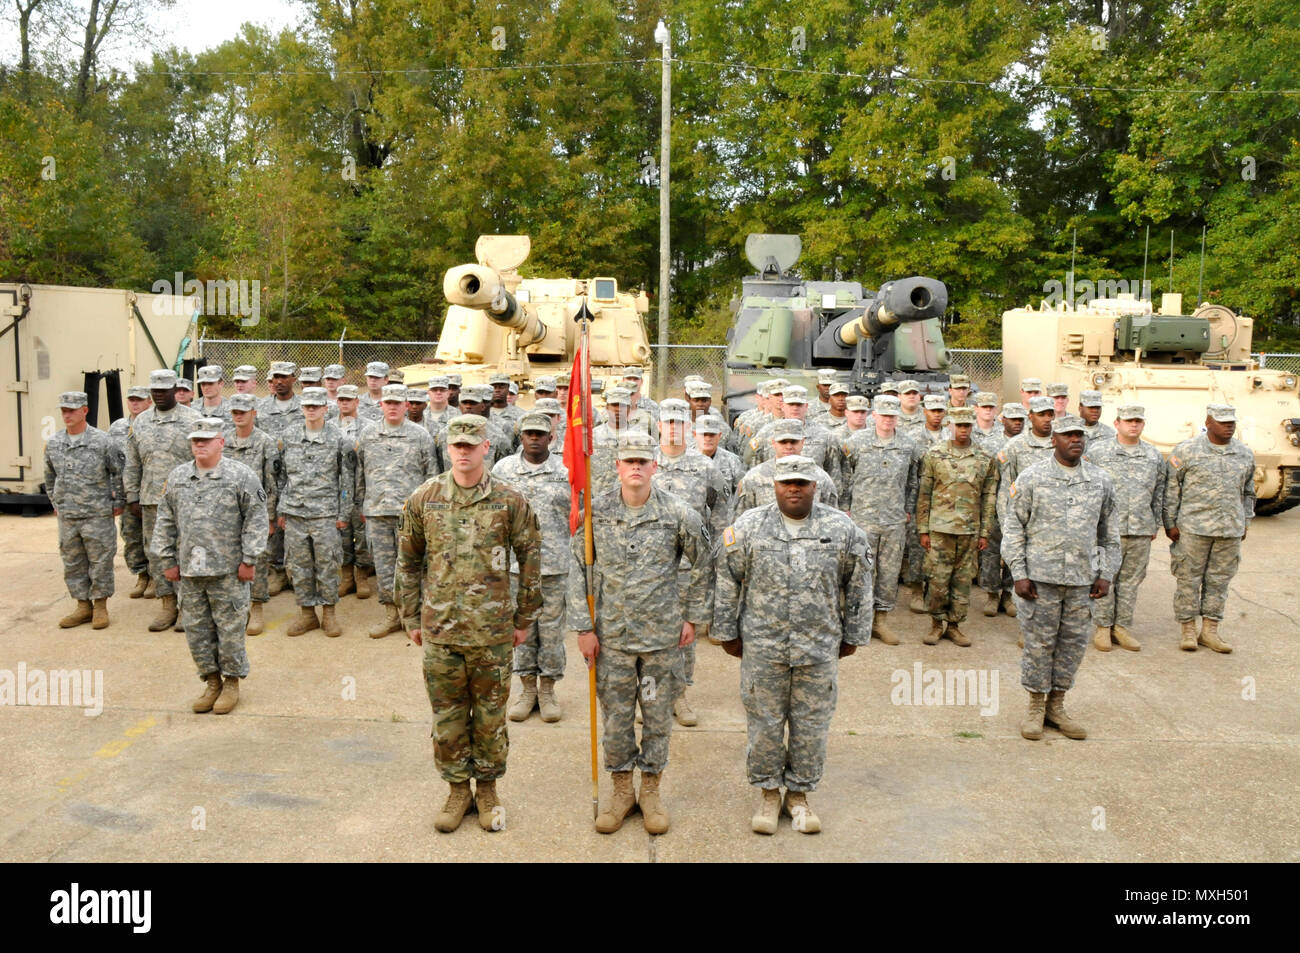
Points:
(357, 568)
(1090, 412)
(276, 412)
(133, 551)
(212, 402)
(248, 444)
(993, 576)
(786, 438)
(708, 440)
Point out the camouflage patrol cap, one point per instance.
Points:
(776, 385)
(961, 415)
(889, 387)
(958, 380)
(499, 378)
(244, 372)
(315, 397)
(1068, 423)
(467, 428)
(1131, 412)
(243, 402)
(792, 468)
(348, 392)
(1040, 403)
(417, 395)
(1058, 390)
(933, 402)
(839, 387)
(674, 409)
(691, 377)
(788, 428)
(73, 399)
(1014, 411)
(906, 387)
(1223, 413)
(514, 387)
(826, 375)
(377, 369)
(1031, 385)
(396, 377)
(535, 420)
(548, 405)
(334, 372)
(210, 374)
(857, 402)
(986, 398)
(394, 392)
(795, 394)
(162, 380)
(544, 385)
(309, 375)
(282, 369)
(438, 382)
(636, 445)
(476, 393)
(633, 373)
(708, 423)
(698, 389)
(886, 405)
(763, 389)
(138, 392)
(1090, 398)
(183, 383)
(205, 428)
(618, 395)
(562, 380)
(453, 380)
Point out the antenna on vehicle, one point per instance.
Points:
(1201, 279)
(1171, 261)
(1069, 276)
(1146, 253)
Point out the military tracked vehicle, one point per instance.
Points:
(1171, 363)
(788, 327)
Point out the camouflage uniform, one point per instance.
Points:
(993, 575)
(453, 584)
(955, 506)
(756, 488)
(880, 482)
(791, 597)
(258, 453)
(819, 445)
(221, 410)
(1059, 531)
(207, 525)
(317, 477)
(1210, 498)
(990, 442)
(1139, 477)
(369, 409)
(1016, 455)
(640, 609)
(137, 560)
(500, 445)
(356, 552)
(604, 446)
(546, 488)
(274, 419)
(729, 465)
(158, 442)
(83, 480)
(1097, 433)
(910, 424)
(391, 463)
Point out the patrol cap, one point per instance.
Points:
(959, 380)
(210, 374)
(699, 389)
(789, 469)
(933, 402)
(906, 387)
(183, 383)
(889, 387)
(438, 382)
(795, 394)
(315, 397)
(562, 380)
(986, 398)
(417, 395)
(763, 389)
(632, 373)
(309, 375)
(162, 380)
(857, 402)
(961, 415)
(453, 380)
(205, 428)
(1090, 398)
(674, 408)
(73, 399)
(839, 387)
(1031, 384)
(776, 385)
(548, 405)
(636, 445)
(546, 384)
(499, 378)
(394, 392)
(139, 392)
(348, 392)
(1131, 412)
(244, 372)
(467, 428)
(618, 395)
(1058, 390)
(535, 420)
(1014, 411)
(826, 375)
(334, 372)
(282, 369)
(788, 428)
(476, 393)
(377, 369)
(243, 402)
(1068, 423)
(1223, 413)
(1039, 403)
(691, 377)
(708, 423)
(886, 405)
(396, 376)
(514, 387)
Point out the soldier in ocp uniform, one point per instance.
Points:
(248, 444)
(133, 551)
(83, 480)
(793, 597)
(459, 530)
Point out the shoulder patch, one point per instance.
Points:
(729, 536)
(1174, 461)
(1013, 489)
(1002, 456)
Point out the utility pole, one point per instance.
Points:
(665, 145)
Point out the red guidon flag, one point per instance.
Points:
(577, 435)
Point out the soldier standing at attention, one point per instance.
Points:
(453, 389)
(793, 598)
(317, 476)
(137, 560)
(83, 480)
(911, 419)
(958, 390)
(211, 402)
(987, 433)
(954, 516)
(1090, 410)
(604, 441)
(211, 529)
(184, 391)
(632, 379)
(1060, 394)
(1138, 472)
(708, 439)
(643, 621)
(368, 406)
(880, 476)
(476, 399)
(699, 395)
(756, 488)
(393, 459)
(822, 405)
(993, 576)
(857, 412)
(458, 532)
(502, 411)
(1031, 446)
(1031, 387)
(1060, 512)
(157, 444)
(417, 402)
(820, 445)
(358, 568)
(439, 410)
(244, 377)
(1209, 503)
(933, 432)
(544, 482)
(275, 412)
(247, 444)
(836, 418)
(332, 379)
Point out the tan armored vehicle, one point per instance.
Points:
(1171, 363)
(501, 322)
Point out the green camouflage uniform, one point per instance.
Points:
(955, 503)
(137, 560)
(157, 443)
(640, 609)
(1059, 531)
(1210, 498)
(1139, 476)
(756, 488)
(453, 584)
(391, 463)
(207, 525)
(880, 483)
(258, 453)
(791, 597)
(317, 476)
(83, 480)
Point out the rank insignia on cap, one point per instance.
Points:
(729, 536)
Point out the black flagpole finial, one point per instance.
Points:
(583, 314)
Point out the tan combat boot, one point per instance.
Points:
(881, 630)
(141, 585)
(1101, 638)
(683, 711)
(991, 602)
(329, 623)
(229, 696)
(527, 700)
(546, 700)
(1210, 637)
(80, 615)
(935, 634)
(166, 617)
(255, 625)
(958, 637)
(1188, 644)
(347, 581)
(364, 589)
(1124, 639)
(652, 809)
(1032, 726)
(1008, 603)
(453, 812)
(151, 590)
(392, 623)
(918, 599)
(765, 818)
(305, 622)
(277, 582)
(802, 817)
(1056, 715)
(621, 803)
(491, 815)
(209, 697)
(100, 620)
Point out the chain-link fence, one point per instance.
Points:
(354, 355)
(1279, 362)
(676, 361)
(982, 366)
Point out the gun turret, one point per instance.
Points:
(897, 302)
(482, 289)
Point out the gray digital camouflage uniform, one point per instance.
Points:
(83, 480)
(352, 537)
(756, 488)
(317, 476)
(157, 444)
(137, 560)
(1138, 474)
(880, 484)
(257, 452)
(391, 463)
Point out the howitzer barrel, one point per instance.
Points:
(897, 302)
(481, 288)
